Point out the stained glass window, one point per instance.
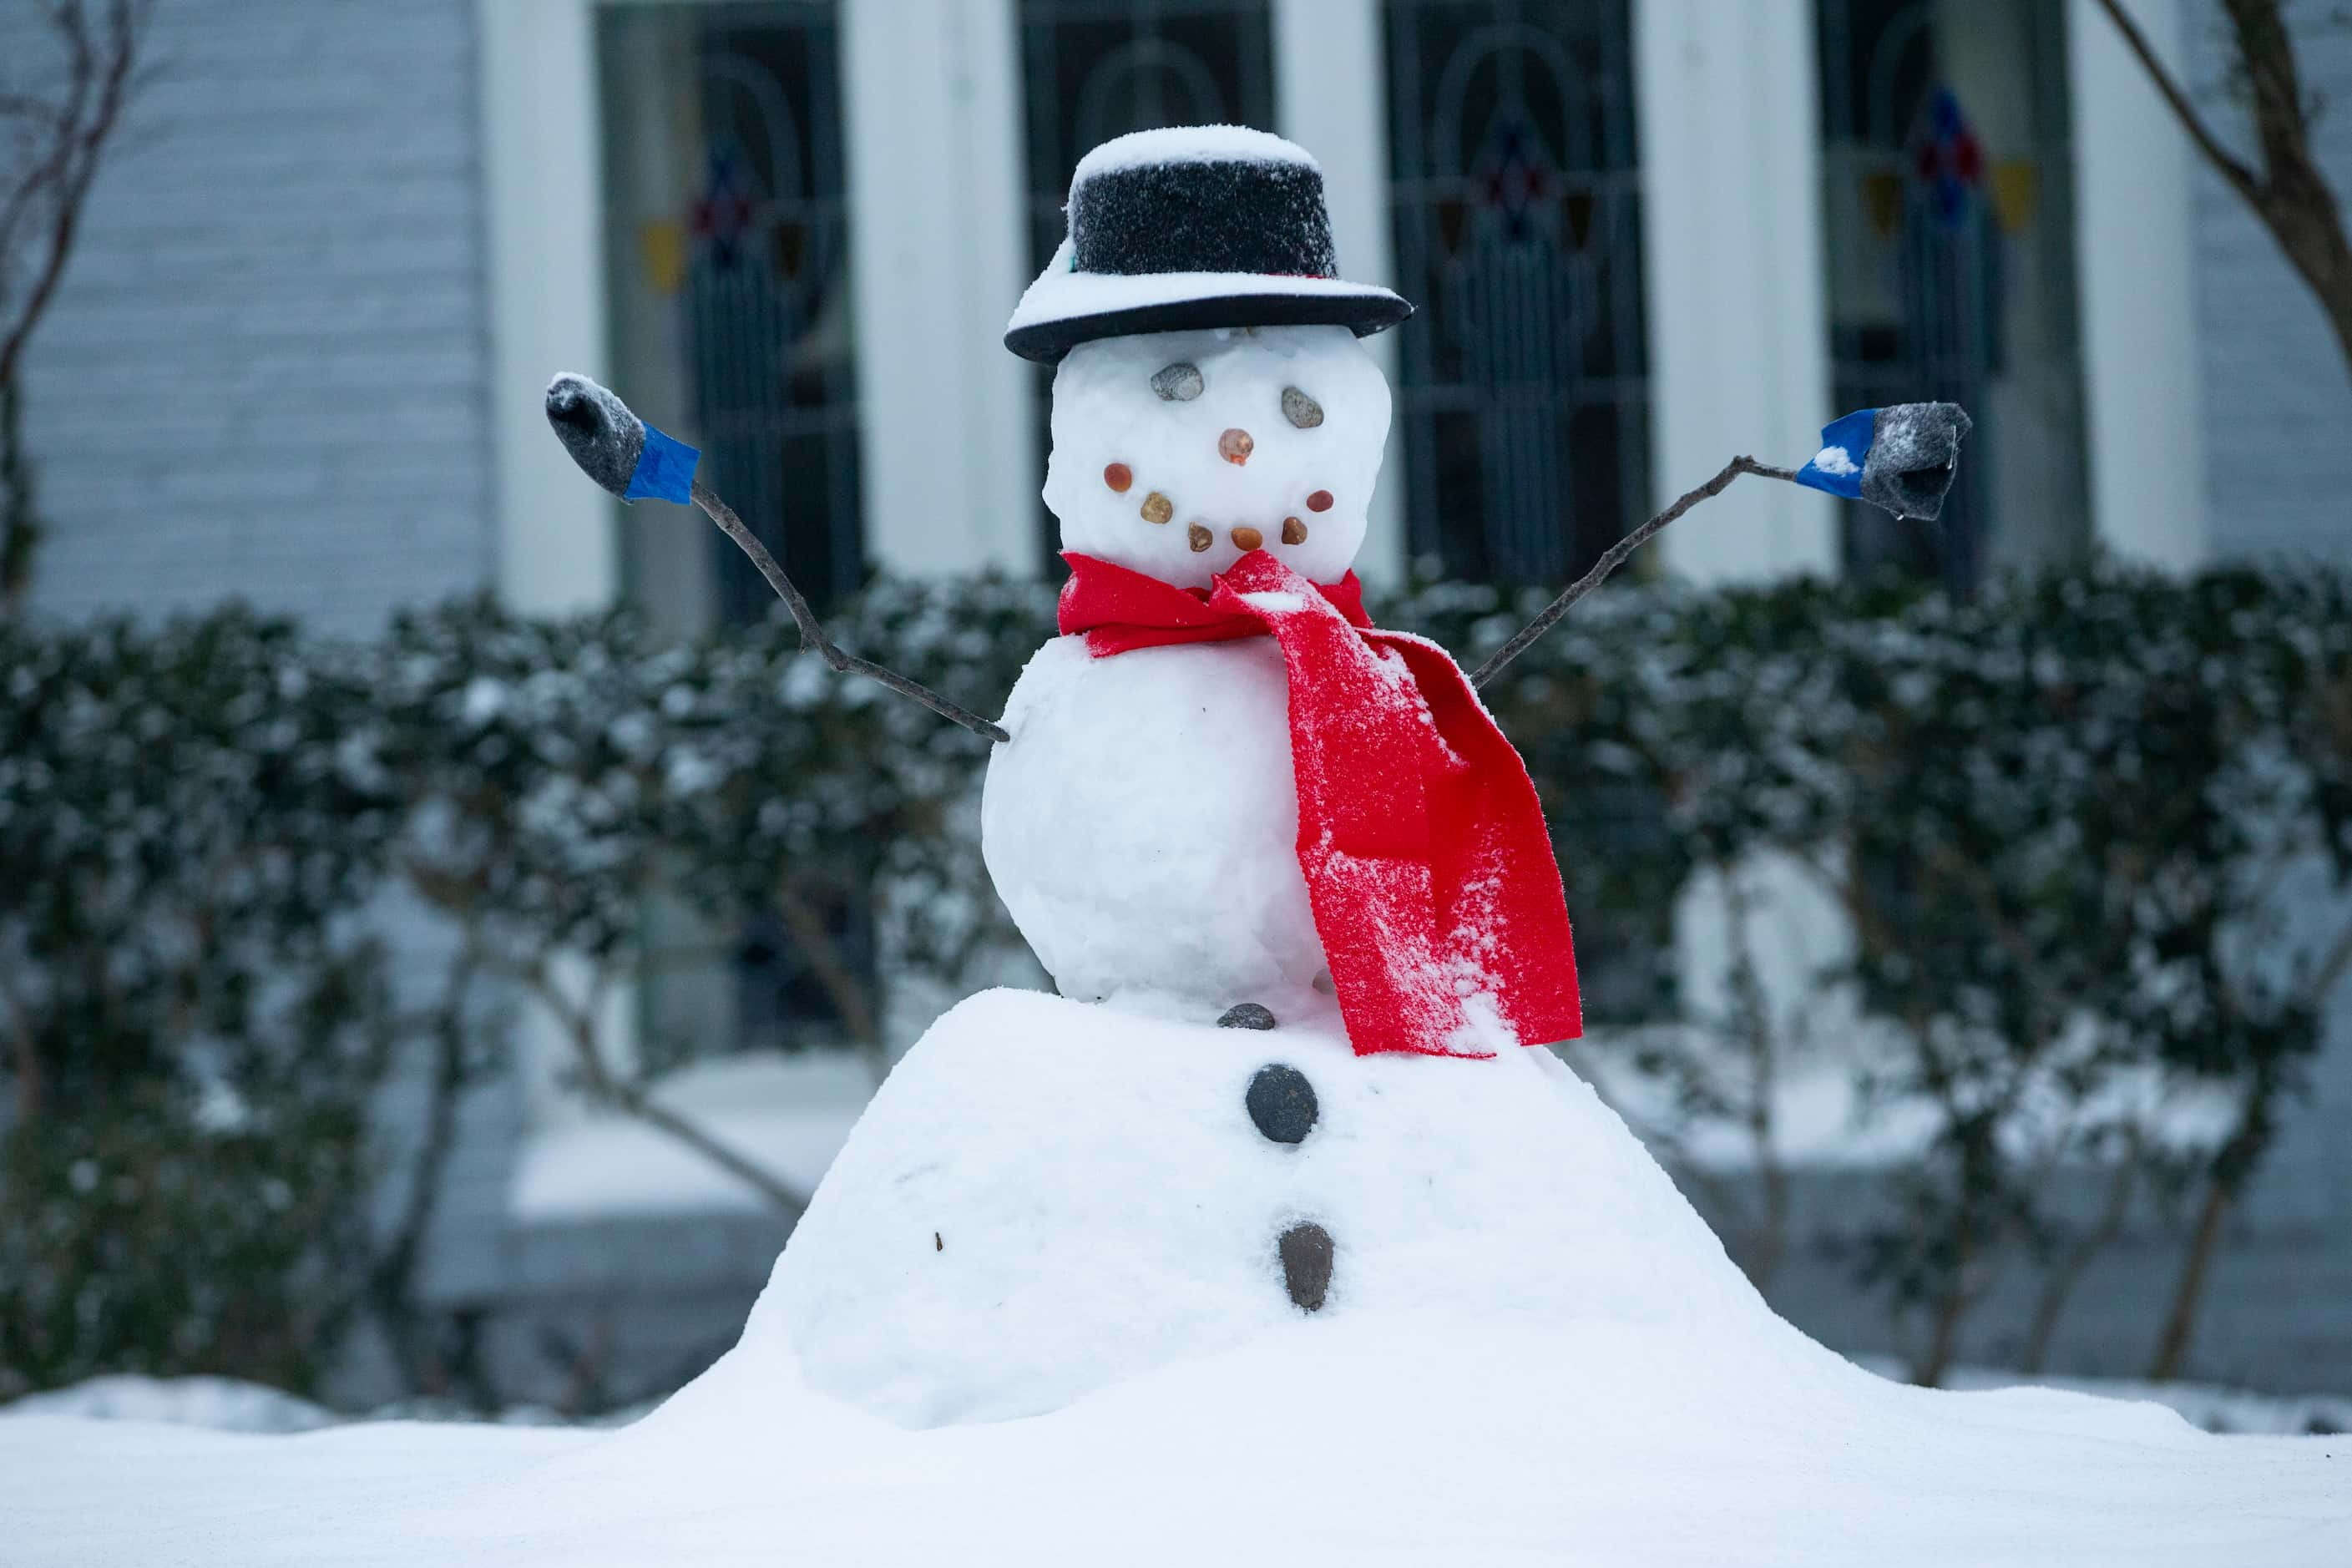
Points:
(728, 239)
(1523, 397)
(1093, 69)
(1949, 211)
(729, 258)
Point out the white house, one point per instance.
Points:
(299, 355)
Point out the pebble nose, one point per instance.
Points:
(1234, 445)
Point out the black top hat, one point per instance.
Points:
(1197, 226)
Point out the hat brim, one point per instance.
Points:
(1065, 308)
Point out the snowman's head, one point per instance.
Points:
(1175, 453)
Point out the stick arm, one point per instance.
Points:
(632, 461)
(813, 634)
(1615, 556)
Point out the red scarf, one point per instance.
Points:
(1426, 859)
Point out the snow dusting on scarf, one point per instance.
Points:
(1422, 845)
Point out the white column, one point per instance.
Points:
(557, 540)
(1331, 75)
(2135, 259)
(1731, 243)
(932, 109)
(544, 221)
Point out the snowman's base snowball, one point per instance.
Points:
(1049, 1197)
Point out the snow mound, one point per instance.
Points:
(1049, 1198)
(1531, 1351)
(217, 1404)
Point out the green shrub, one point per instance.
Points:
(2058, 820)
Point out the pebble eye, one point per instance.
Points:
(1178, 382)
(1301, 409)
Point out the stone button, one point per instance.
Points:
(1306, 1252)
(1247, 1015)
(1282, 1103)
(1178, 382)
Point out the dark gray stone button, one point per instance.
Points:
(1306, 1265)
(1282, 1103)
(1247, 1015)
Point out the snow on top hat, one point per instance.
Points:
(1196, 225)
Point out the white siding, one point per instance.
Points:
(2278, 394)
(264, 374)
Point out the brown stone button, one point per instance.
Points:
(1320, 501)
(1158, 508)
(1247, 539)
(1307, 1254)
(1236, 445)
(1201, 538)
(1119, 476)
(1293, 530)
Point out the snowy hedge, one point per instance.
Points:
(2057, 822)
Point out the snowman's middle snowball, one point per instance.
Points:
(1142, 828)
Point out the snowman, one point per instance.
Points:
(1223, 791)
(1293, 885)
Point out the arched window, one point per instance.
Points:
(1093, 69)
(1523, 398)
(1949, 200)
(728, 252)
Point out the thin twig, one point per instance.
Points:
(579, 1023)
(1614, 557)
(74, 164)
(2331, 968)
(822, 955)
(813, 636)
(2176, 98)
(28, 1058)
(389, 1279)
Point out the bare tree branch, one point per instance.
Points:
(2240, 178)
(580, 1027)
(822, 955)
(28, 1055)
(2289, 193)
(61, 142)
(1614, 557)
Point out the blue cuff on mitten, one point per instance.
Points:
(1845, 447)
(664, 469)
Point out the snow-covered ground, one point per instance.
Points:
(1533, 1351)
(1396, 1441)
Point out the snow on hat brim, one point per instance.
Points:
(1064, 309)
